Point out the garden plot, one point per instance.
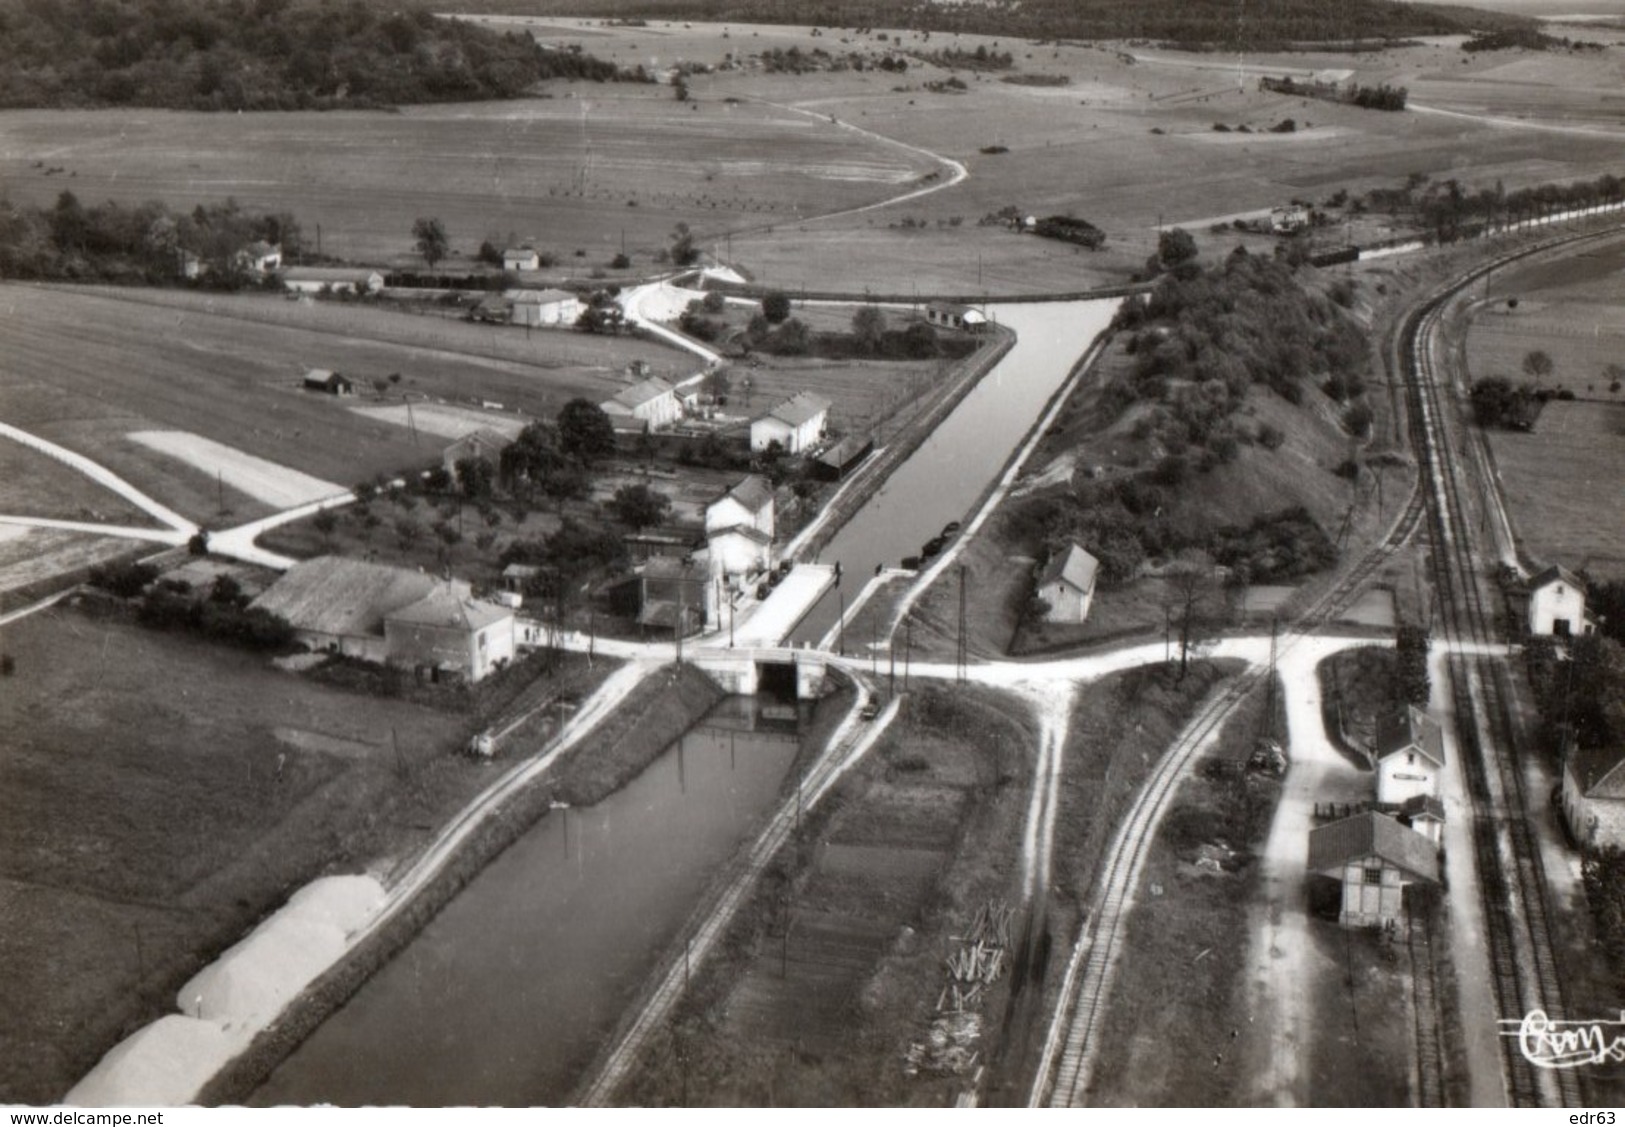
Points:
(445, 420)
(262, 480)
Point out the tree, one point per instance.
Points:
(869, 325)
(1412, 683)
(1537, 365)
(716, 384)
(325, 522)
(431, 242)
(776, 307)
(920, 341)
(683, 250)
(1175, 245)
(1191, 606)
(585, 432)
(475, 476)
(640, 507)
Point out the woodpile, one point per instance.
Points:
(980, 957)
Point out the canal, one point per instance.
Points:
(506, 995)
(945, 477)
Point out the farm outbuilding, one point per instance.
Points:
(1373, 858)
(1067, 584)
(952, 315)
(1557, 603)
(797, 424)
(748, 503)
(331, 279)
(672, 595)
(450, 633)
(651, 402)
(1425, 815)
(328, 382)
(1594, 796)
(339, 604)
(1409, 755)
(543, 308)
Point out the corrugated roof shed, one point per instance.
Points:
(342, 597)
(1410, 729)
(1074, 567)
(800, 407)
(1372, 835)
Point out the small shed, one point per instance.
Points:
(1409, 755)
(842, 458)
(1557, 603)
(521, 258)
(1067, 584)
(651, 401)
(952, 315)
(1373, 858)
(1424, 814)
(328, 382)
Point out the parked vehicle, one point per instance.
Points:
(870, 711)
(931, 547)
(911, 563)
(950, 529)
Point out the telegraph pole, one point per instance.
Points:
(961, 653)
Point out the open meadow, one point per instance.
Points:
(88, 369)
(1565, 486)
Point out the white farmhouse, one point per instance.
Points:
(331, 279)
(1409, 754)
(739, 529)
(1067, 584)
(1557, 603)
(797, 424)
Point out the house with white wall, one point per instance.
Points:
(1557, 603)
(1409, 755)
(797, 424)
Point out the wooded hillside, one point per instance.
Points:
(261, 55)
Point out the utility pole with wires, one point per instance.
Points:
(1269, 700)
(961, 650)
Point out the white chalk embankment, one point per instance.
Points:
(228, 1003)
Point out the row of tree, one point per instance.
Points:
(145, 243)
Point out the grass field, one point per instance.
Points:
(30, 556)
(576, 169)
(87, 368)
(1563, 486)
(33, 485)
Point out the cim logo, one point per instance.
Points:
(1554, 1043)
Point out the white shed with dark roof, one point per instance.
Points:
(1067, 584)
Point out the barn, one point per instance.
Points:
(797, 424)
(339, 605)
(543, 308)
(330, 279)
(328, 382)
(1373, 858)
(650, 402)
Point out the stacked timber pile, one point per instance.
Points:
(978, 960)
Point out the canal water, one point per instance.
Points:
(506, 995)
(945, 477)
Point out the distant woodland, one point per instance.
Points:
(262, 55)
(1188, 23)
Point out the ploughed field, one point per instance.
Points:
(87, 369)
(576, 168)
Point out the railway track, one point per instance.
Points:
(1062, 1076)
(1425, 1004)
(1512, 880)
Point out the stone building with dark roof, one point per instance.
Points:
(1373, 858)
